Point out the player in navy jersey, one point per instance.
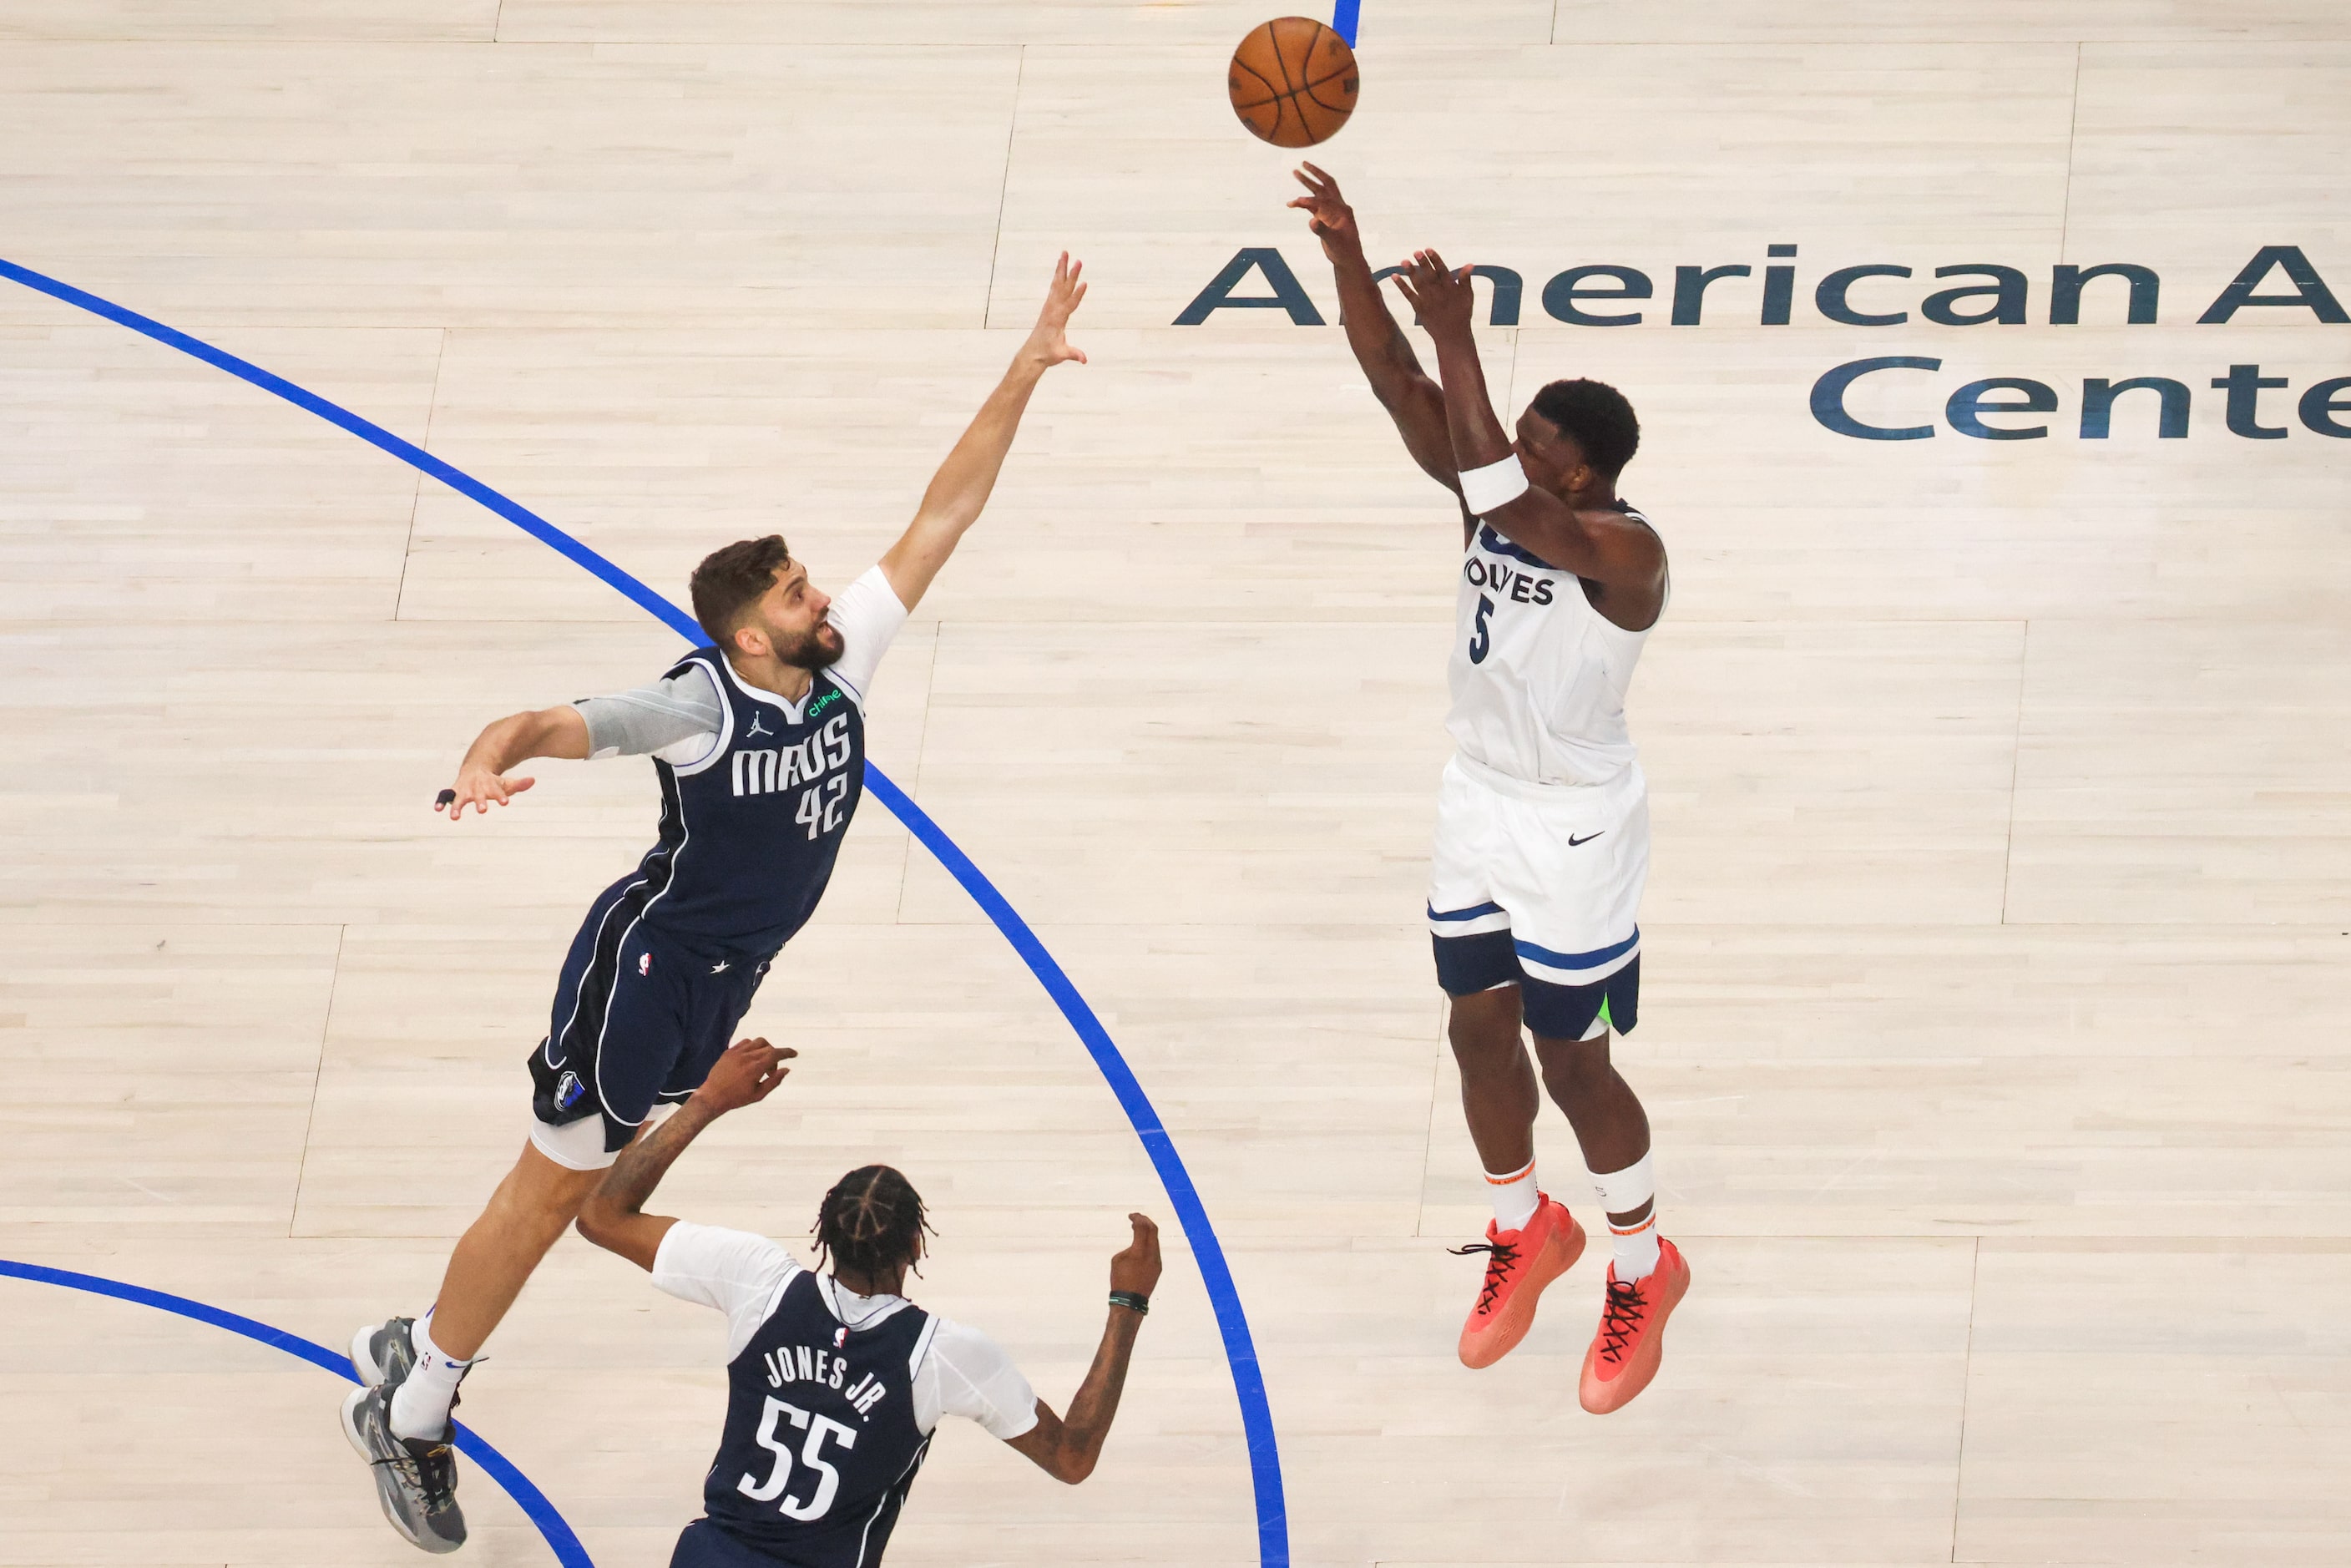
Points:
(836, 1382)
(759, 741)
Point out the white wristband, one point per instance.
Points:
(1496, 486)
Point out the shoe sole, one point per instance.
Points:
(363, 1362)
(1501, 1335)
(1607, 1398)
(386, 1489)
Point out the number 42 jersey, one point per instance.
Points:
(750, 829)
(1538, 675)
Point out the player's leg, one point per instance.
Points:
(1581, 951)
(1531, 1240)
(608, 1013)
(398, 1418)
(1500, 1098)
(533, 1205)
(1647, 1276)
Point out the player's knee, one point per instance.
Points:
(1484, 1023)
(1577, 1072)
(545, 1196)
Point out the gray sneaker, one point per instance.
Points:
(383, 1353)
(416, 1480)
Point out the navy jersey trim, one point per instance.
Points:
(588, 976)
(893, 1500)
(1495, 544)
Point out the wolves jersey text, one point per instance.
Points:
(1538, 675)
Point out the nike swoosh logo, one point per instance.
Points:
(1572, 840)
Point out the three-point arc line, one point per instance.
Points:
(1224, 1299)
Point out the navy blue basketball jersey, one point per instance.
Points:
(820, 1447)
(750, 833)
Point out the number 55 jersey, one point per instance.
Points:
(832, 1399)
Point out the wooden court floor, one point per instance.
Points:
(1997, 1015)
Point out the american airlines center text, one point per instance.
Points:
(2277, 278)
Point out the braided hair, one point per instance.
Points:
(871, 1223)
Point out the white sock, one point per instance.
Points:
(1514, 1196)
(1620, 1192)
(420, 1405)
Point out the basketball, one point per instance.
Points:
(1293, 82)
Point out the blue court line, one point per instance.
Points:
(1344, 20)
(496, 1466)
(1224, 1298)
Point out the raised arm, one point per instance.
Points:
(511, 741)
(1067, 1450)
(1600, 546)
(960, 489)
(614, 1217)
(1415, 402)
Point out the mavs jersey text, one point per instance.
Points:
(756, 794)
(832, 1399)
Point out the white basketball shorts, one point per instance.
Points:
(1540, 885)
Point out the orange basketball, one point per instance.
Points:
(1293, 82)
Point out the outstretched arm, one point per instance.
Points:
(1067, 1450)
(511, 741)
(614, 1217)
(1415, 402)
(1607, 551)
(960, 489)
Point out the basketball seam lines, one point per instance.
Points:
(1314, 98)
(1272, 93)
(1289, 89)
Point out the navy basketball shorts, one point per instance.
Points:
(1539, 886)
(703, 1545)
(639, 1020)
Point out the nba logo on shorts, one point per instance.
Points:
(644, 963)
(568, 1089)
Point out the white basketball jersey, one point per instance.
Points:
(1538, 676)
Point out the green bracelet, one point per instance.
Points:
(1132, 1300)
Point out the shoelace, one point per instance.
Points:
(1619, 1319)
(1498, 1267)
(436, 1471)
(436, 1467)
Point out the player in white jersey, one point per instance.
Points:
(1542, 831)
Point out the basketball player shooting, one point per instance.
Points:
(1542, 819)
(836, 1382)
(758, 743)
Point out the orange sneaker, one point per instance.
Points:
(1518, 1264)
(1624, 1354)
